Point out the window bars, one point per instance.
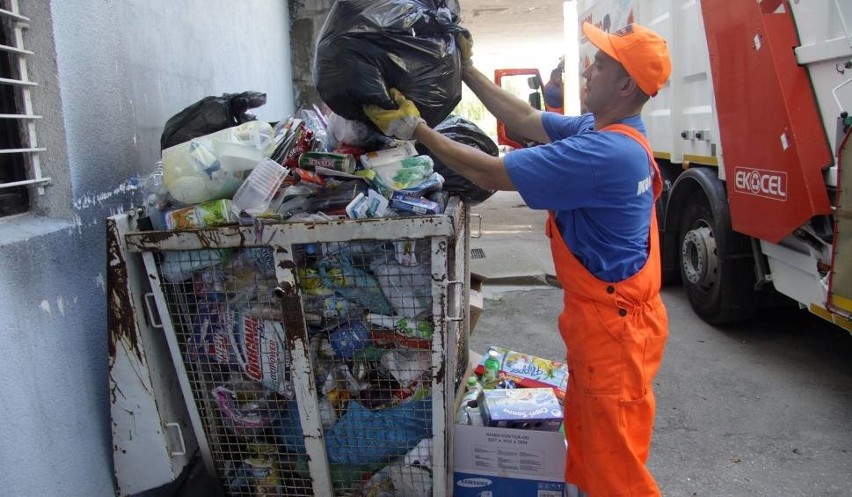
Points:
(17, 113)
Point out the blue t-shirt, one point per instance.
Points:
(553, 95)
(599, 185)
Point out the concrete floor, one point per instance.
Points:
(758, 409)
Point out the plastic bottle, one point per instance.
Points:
(492, 367)
(193, 171)
(471, 397)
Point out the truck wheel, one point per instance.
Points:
(715, 265)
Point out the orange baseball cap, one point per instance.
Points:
(643, 53)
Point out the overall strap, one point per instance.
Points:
(642, 140)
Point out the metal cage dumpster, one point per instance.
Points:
(318, 358)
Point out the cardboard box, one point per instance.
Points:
(529, 463)
(503, 462)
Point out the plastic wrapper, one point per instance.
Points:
(292, 138)
(333, 201)
(463, 131)
(210, 114)
(203, 215)
(339, 274)
(400, 175)
(178, 266)
(407, 288)
(399, 480)
(353, 133)
(382, 435)
(246, 419)
(317, 123)
(213, 166)
(433, 183)
(382, 44)
(406, 366)
(155, 196)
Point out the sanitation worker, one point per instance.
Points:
(596, 175)
(553, 99)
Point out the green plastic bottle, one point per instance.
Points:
(492, 367)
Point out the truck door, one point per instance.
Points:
(527, 85)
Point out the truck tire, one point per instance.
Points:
(716, 264)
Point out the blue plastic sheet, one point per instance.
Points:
(363, 436)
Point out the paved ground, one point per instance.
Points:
(761, 409)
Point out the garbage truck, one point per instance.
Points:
(751, 134)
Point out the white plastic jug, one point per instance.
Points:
(213, 166)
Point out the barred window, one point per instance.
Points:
(20, 166)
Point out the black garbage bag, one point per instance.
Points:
(461, 130)
(366, 47)
(210, 114)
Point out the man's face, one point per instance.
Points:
(605, 78)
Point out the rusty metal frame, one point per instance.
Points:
(440, 230)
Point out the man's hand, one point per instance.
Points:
(400, 122)
(464, 40)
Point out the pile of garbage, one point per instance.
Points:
(367, 306)
(220, 165)
(510, 389)
(313, 167)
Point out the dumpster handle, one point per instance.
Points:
(150, 305)
(461, 287)
(182, 450)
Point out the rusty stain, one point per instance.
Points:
(293, 321)
(121, 324)
(284, 262)
(439, 375)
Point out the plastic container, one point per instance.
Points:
(471, 397)
(203, 215)
(255, 195)
(235, 157)
(403, 150)
(193, 171)
(492, 367)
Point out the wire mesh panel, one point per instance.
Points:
(370, 313)
(368, 307)
(229, 329)
(320, 358)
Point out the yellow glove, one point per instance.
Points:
(400, 122)
(464, 40)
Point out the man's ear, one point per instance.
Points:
(629, 87)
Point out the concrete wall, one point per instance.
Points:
(110, 75)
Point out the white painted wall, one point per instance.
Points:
(121, 69)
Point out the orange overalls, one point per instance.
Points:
(615, 334)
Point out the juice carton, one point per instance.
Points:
(203, 215)
(529, 371)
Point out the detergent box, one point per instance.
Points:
(523, 408)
